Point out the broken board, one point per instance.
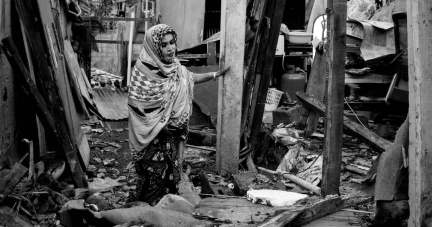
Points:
(57, 48)
(338, 219)
(237, 210)
(75, 70)
(316, 88)
(9, 181)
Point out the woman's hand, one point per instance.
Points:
(222, 72)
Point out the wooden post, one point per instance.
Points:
(335, 97)
(419, 17)
(233, 20)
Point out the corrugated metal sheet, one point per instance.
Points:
(111, 104)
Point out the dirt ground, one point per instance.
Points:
(120, 159)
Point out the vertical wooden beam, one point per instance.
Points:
(335, 97)
(274, 12)
(233, 20)
(419, 15)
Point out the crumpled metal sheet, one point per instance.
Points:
(378, 37)
(111, 103)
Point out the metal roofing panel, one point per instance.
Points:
(111, 103)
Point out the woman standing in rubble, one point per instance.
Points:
(160, 105)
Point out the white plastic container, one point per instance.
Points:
(300, 37)
(272, 100)
(280, 48)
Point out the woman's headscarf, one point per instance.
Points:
(152, 48)
(164, 89)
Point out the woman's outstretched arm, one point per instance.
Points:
(203, 77)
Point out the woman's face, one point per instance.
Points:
(168, 47)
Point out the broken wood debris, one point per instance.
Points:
(298, 216)
(316, 190)
(353, 127)
(51, 121)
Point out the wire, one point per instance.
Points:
(283, 61)
(355, 114)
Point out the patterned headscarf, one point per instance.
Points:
(152, 51)
(156, 33)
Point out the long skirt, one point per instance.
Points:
(158, 170)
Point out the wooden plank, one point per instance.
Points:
(251, 83)
(89, 88)
(84, 148)
(318, 210)
(41, 130)
(5, 18)
(337, 219)
(8, 182)
(282, 219)
(45, 80)
(250, 164)
(335, 97)
(298, 216)
(230, 86)
(316, 88)
(32, 173)
(420, 107)
(274, 11)
(76, 89)
(61, 81)
(75, 71)
(356, 129)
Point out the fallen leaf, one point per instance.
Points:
(109, 162)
